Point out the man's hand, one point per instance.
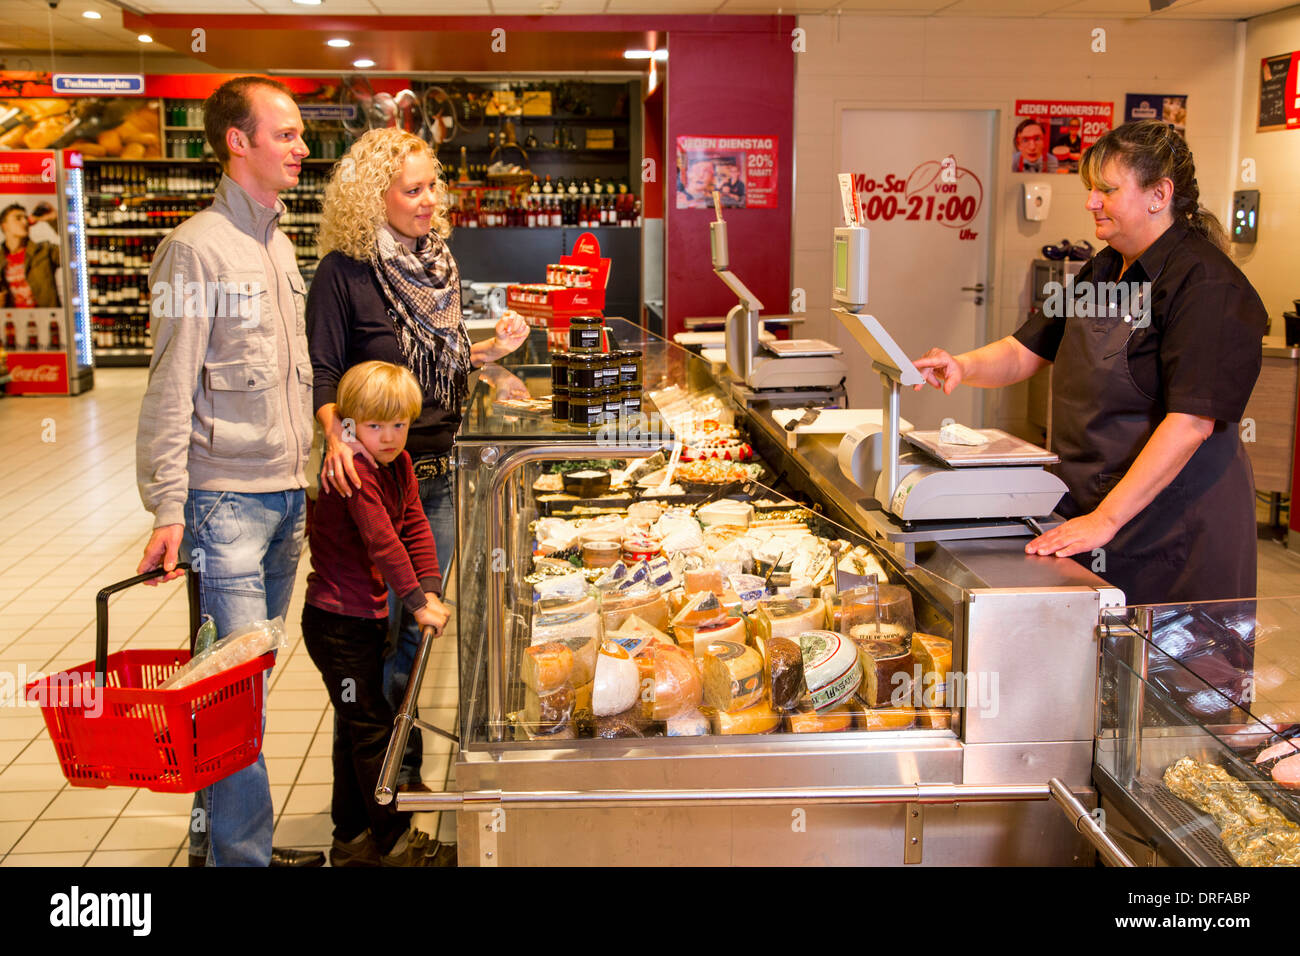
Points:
(940, 370)
(434, 614)
(1076, 536)
(163, 550)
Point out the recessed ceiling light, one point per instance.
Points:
(145, 38)
(91, 14)
(363, 63)
(338, 42)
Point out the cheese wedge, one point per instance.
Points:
(759, 718)
(700, 608)
(783, 672)
(650, 606)
(705, 579)
(733, 675)
(694, 640)
(934, 656)
(886, 673)
(547, 667)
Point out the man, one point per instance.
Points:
(1031, 155)
(226, 422)
(28, 277)
(699, 183)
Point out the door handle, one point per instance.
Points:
(978, 287)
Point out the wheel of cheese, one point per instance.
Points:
(820, 722)
(885, 718)
(617, 682)
(650, 606)
(789, 617)
(694, 640)
(893, 633)
(783, 672)
(934, 656)
(547, 667)
(634, 627)
(831, 671)
(886, 673)
(548, 713)
(678, 687)
(758, 718)
(690, 723)
(733, 675)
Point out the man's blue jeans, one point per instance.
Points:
(438, 496)
(246, 549)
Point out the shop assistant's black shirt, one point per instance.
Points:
(1202, 352)
(348, 323)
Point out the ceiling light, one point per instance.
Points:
(363, 63)
(91, 14)
(145, 38)
(659, 55)
(308, 3)
(338, 42)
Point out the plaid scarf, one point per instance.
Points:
(423, 293)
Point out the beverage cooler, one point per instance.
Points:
(43, 290)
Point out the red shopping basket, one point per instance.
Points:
(120, 730)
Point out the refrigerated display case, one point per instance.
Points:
(1199, 714)
(972, 788)
(43, 295)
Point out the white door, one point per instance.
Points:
(925, 181)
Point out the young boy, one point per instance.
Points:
(359, 546)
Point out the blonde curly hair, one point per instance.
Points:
(353, 209)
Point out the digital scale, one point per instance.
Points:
(773, 366)
(933, 490)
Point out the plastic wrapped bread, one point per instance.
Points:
(238, 647)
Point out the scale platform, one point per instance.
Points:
(801, 348)
(1002, 449)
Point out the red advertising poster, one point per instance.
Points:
(1051, 135)
(741, 168)
(31, 300)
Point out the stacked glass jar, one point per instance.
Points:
(591, 386)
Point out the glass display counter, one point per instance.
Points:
(1198, 741)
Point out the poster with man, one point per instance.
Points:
(741, 168)
(1050, 136)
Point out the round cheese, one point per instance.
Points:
(875, 631)
(759, 718)
(649, 605)
(617, 682)
(831, 670)
(789, 617)
(783, 672)
(694, 640)
(820, 722)
(733, 676)
(678, 687)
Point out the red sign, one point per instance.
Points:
(938, 190)
(741, 169)
(38, 373)
(1058, 136)
(28, 173)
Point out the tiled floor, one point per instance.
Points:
(70, 523)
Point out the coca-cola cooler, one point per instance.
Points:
(44, 295)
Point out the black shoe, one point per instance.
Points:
(280, 856)
(283, 856)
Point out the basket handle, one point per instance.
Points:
(101, 611)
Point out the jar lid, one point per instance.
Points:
(559, 358)
(589, 393)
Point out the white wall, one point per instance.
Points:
(1272, 264)
(990, 63)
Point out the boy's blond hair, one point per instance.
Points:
(378, 392)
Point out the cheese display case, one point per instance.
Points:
(659, 668)
(1198, 741)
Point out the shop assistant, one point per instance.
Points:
(1146, 400)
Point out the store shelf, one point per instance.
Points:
(123, 358)
(149, 196)
(112, 231)
(119, 310)
(116, 270)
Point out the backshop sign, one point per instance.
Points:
(939, 191)
(37, 373)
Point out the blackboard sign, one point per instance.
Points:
(1277, 92)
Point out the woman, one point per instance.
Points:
(387, 288)
(27, 279)
(1145, 400)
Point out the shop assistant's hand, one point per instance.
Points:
(434, 614)
(940, 370)
(163, 550)
(507, 384)
(1075, 536)
(511, 330)
(337, 470)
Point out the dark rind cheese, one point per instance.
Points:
(784, 672)
(886, 673)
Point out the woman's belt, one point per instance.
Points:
(434, 466)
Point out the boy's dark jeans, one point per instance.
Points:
(348, 651)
